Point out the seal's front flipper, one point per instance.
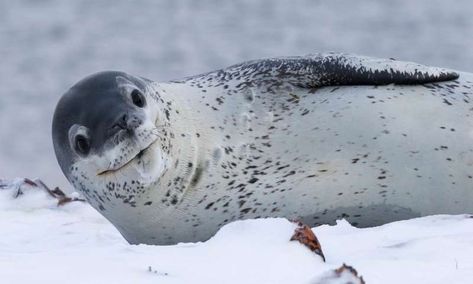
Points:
(331, 69)
(342, 69)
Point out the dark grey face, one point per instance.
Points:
(97, 114)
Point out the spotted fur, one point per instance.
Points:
(287, 138)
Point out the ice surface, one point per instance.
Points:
(44, 243)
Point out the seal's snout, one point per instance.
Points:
(124, 126)
(126, 122)
(122, 122)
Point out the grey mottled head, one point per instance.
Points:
(105, 128)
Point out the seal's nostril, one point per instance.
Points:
(122, 122)
(125, 122)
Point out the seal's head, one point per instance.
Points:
(108, 132)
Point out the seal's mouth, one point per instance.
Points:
(137, 156)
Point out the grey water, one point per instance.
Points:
(46, 46)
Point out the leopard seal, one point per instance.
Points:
(314, 138)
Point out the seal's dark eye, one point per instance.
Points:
(138, 98)
(82, 144)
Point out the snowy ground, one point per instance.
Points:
(44, 243)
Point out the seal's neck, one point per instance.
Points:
(179, 146)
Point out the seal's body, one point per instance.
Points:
(173, 162)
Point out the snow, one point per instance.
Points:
(74, 244)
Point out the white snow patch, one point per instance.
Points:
(44, 243)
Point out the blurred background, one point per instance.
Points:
(46, 46)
